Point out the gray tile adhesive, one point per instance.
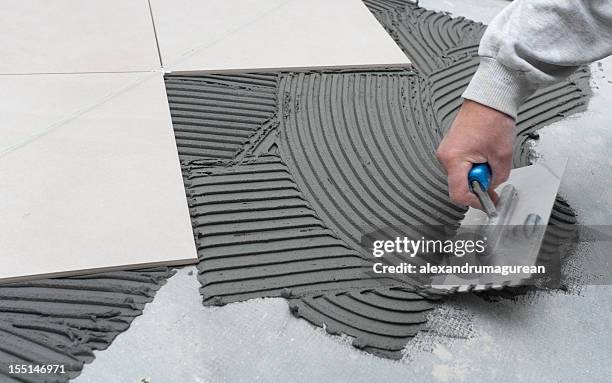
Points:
(63, 320)
(286, 171)
(283, 172)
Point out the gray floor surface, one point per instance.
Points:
(543, 337)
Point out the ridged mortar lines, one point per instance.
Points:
(385, 5)
(357, 153)
(544, 107)
(257, 236)
(443, 51)
(295, 246)
(215, 115)
(446, 86)
(382, 321)
(560, 231)
(63, 320)
(431, 40)
(357, 157)
(549, 105)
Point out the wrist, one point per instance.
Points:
(484, 112)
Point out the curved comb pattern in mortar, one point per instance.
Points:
(257, 236)
(381, 321)
(360, 155)
(345, 136)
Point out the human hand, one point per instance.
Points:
(478, 134)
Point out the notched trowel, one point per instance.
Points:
(513, 229)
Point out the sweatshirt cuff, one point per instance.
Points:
(498, 87)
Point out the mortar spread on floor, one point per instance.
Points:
(311, 161)
(274, 217)
(62, 321)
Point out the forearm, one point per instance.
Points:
(534, 43)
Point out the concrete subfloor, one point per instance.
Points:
(544, 337)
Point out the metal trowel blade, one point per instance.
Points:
(515, 236)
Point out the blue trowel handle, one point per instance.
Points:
(482, 174)
(479, 180)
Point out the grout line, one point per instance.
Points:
(195, 50)
(333, 68)
(58, 124)
(57, 73)
(161, 63)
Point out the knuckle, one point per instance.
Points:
(446, 156)
(442, 154)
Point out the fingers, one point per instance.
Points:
(478, 134)
(458, 188)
